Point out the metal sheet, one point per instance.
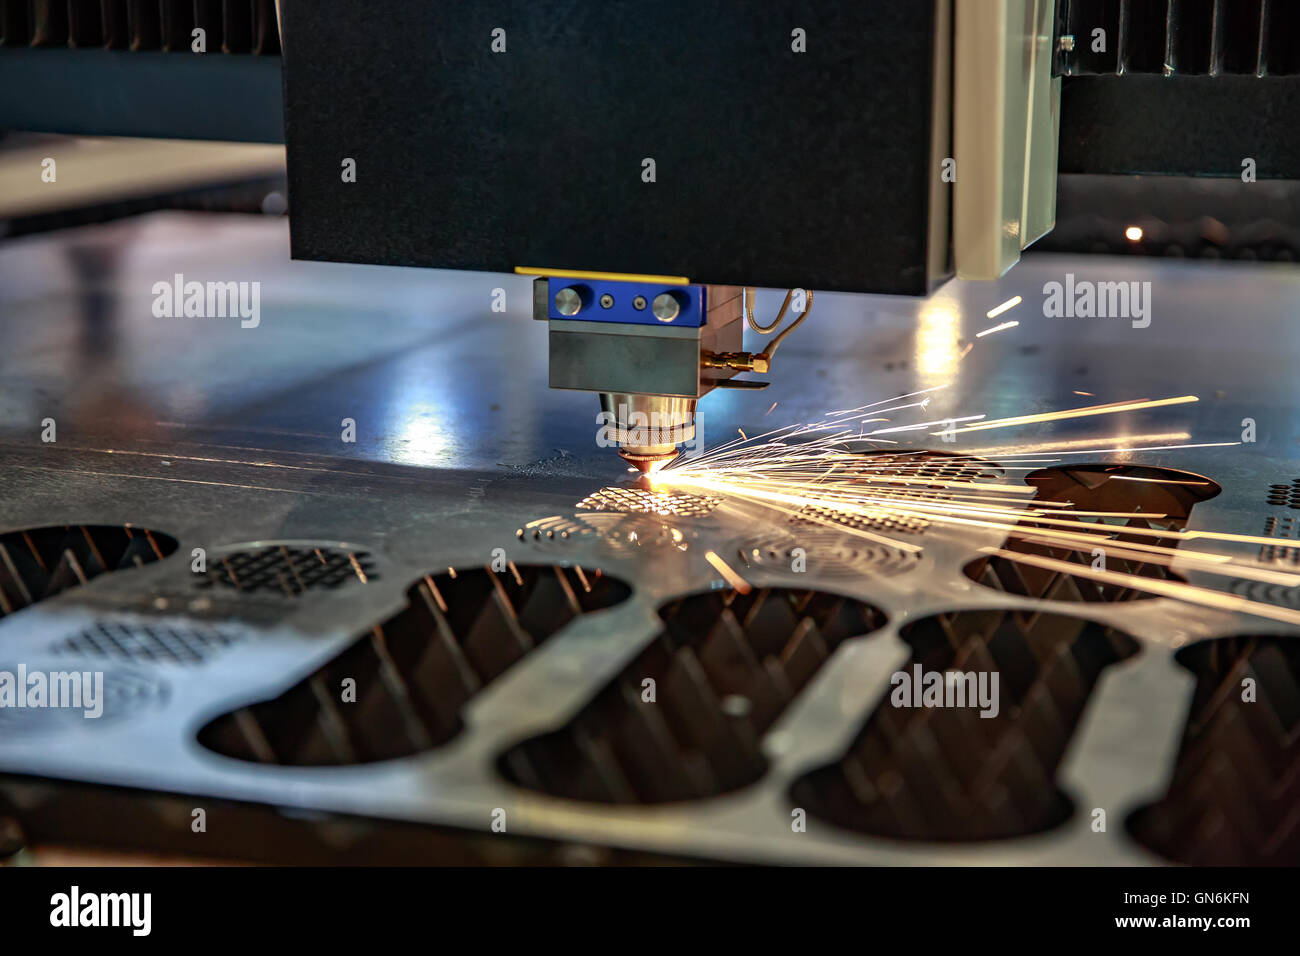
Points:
(223, 437)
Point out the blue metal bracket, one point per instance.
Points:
(693, 300)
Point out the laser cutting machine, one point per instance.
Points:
(658, 174)
(651, 161)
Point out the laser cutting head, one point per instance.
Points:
(648, 428)
(649, 346)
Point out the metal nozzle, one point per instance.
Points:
(647, 464)
(648, 428)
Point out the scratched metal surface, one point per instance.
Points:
(221, 436)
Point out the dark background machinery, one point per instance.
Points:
(1186, 88)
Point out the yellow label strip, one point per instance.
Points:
(600, 276)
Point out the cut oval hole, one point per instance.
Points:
(1235, 787)
(38, 563)
(415, 672)
(945, 773)
(1121, 498)
(723, 669)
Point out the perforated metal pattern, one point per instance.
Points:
(816, 516)
(288, 570)
(1285, 495)
(824, 551)
(921, 477)
(1283, 527)
(125, 693)
(642, 501)
(939, 467)
(149, 643)
(617, 532)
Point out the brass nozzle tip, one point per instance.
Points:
(648, 464)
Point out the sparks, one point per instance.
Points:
(1006, 306)
(997, 328)
(836, 474)
(728, 572)
(1088, 411)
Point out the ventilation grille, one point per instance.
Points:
(288, 570)
(946, 773)
(148, 643)
(231, 26)
(1235, 792)
(724, 669)
(411, 675)
(41, 562)
(1198, 37)
(1125, 498)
